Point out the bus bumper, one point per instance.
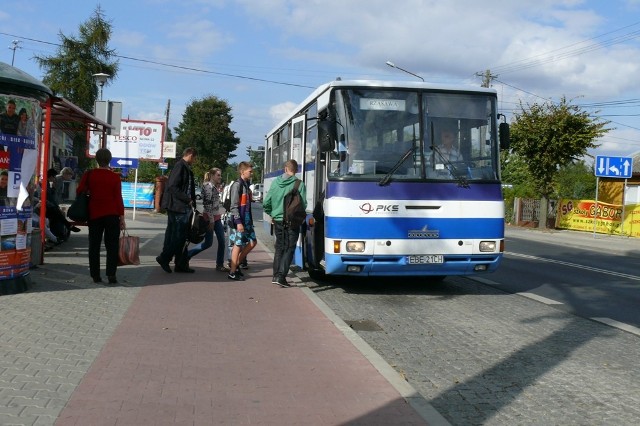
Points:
(338, 264)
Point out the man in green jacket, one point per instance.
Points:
(286, 237)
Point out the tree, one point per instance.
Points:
(69, 73)
(576, 180)
(205, 126)
(550, 136)
(256, 158)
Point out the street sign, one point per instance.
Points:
(614, 167)
(124, 163)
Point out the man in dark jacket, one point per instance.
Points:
(178, 198)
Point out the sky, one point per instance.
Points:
(266, 56)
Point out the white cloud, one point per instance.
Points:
(280, 111)
(198, 37)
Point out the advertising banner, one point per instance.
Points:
(140, 197)
(18, 134)
(137, 139)
(587, 215)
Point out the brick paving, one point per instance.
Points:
(185, 349)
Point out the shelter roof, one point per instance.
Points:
(64, 112)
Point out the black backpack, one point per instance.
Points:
(294, 212)
(197, 227)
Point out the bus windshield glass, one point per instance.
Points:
(414, 135)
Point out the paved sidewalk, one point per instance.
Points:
(186, 349)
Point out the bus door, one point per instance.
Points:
(297, 143)
(297, 153)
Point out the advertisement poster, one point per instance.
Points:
(140, 197)
(603, 218)
(138, 139)
(20, 120)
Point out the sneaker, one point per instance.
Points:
(222, 268)
(235, 276)
(275, 280)
(74, 229)
(239, 272)
(282, 282)
(244, 265)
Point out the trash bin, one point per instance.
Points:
(157, 196)
(36, 247)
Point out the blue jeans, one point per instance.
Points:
(175, 239)
(208, 242)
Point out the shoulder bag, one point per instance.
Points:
(79, 210)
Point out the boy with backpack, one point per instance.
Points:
(242, 234)
(286, 203)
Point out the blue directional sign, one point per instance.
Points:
(124, 163)
(614, 167)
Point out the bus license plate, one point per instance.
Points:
(425, 258)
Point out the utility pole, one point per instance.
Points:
(487, 78)
(14, 47)
(166, 120)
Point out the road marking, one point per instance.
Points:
(542, 299)
(575, 265)
(619, 325)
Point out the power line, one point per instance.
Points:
(534, 62)
(164, 64)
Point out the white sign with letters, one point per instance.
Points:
(138, 139)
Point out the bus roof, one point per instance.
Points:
(387, 84)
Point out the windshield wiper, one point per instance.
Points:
(385, 180)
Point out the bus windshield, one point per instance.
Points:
(414, 135)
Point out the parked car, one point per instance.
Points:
(257, 194)
(198, 193)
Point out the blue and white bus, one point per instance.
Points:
(384, 197)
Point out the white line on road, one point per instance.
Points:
(619, 325)
(575, 265)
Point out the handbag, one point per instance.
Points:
(78, 211)
(129, 250)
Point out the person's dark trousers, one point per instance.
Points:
(205, 244)
(109, 227)
(175, 239)
(286, 240)
(57, 221)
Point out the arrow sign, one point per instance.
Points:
(614, 167)
(124, 163)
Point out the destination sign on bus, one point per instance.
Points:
(382, 104)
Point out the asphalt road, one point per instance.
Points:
(490, 350)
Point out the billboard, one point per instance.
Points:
(138, 139)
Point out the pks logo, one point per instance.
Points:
(367, 208)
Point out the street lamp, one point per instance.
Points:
(392, 65)
(101, 79)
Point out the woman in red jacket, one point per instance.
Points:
(106, 214)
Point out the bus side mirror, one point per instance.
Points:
(326, 136)
(503, 132)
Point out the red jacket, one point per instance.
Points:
(105, 193)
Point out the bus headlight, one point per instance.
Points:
(355, 246)
(488, 246)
